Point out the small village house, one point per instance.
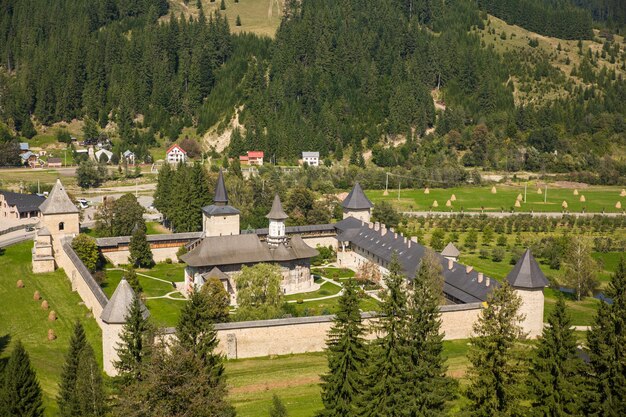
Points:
(129, 157)
(175, 154)
(312, 159)
(252, 158)
(16, 206)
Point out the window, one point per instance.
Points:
(61, 226)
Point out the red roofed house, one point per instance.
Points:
(252, 158)
(175, 154)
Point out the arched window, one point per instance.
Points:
(61, 226)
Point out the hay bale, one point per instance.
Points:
(520, 197)
(582, 198)
(448, 203)
(52, 316)
(386, 192)
(618, 205)
(44, 305)
(426, 190)
(36, 296)
(623, 193)
(517, 203)
(564, 204)
(575, 192)
(539, 191)
(435, 204)
(20, 283)
(452, 197)
(51, 335)
(493, 190)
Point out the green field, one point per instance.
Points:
(22, 318)
(598, 199)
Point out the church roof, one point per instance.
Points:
(526, 273)
(22, 202)
(116, 310)
(451, 251)
(221, 196)
(215, 273)
(215, 210)
(356, 199)
(277, 213)
(58, 201)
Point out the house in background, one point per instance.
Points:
(175, 154)
(129, 157)
(16, 206)
(312, 159)
(24, 147)
(29, 158)
(106, 158)
(252, 158)
(54, 163)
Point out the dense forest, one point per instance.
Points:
(342, 77)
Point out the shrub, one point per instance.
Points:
(483, 253)
(497, 255)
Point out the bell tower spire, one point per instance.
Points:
(277, 217)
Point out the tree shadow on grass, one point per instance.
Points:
(4, 342)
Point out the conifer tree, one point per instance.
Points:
(21, 393)
(134, 348)
(607, 350)
(347, 356)
(133, 281)
(555, 379)
(140, 253)
(277, 409)
(384, 395)
(428, 388)
(493, 374)
(90, 393)
(67, 397)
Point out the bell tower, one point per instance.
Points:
(220, 219)
(277, 218)
(357, 205)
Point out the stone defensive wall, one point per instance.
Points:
(251, 339)
(81, 279)
(163, 246)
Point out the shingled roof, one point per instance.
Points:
(221, 196)
(58, 202)
(23, 203)
(356, 199)
(450, 251)
(116, 310)
(527, 274)
(220, 200)
(277, 212)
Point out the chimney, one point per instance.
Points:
(383, 230)
(391, 229)
(370, 225)
(487, 282)
(409, 243)
(377, 226)
(395, 235)
(480, 277)
(468, 269)
(450, 264)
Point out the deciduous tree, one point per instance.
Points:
(87, 250)
(259, 294)
(580, 268)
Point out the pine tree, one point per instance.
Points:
(384, 396)
(238, 21)
(134, 348)
(555, 379)
(607, 350)
(277, 408)
(347, 356)
(21, 393)
(67, 397)
(140, 253)
(493, 373)
(222, 5)
(133, 281)
(427, 386)
(90, 395)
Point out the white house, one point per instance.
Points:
(175, 154)
(107, 158)
(129, 157)
(312, 159)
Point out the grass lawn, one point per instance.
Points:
(334, 273)
(325, 290)
(22, 318)
(155, 228)
(608, 262)
(598, 198)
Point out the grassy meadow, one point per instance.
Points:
(22, 318)
(598, 199)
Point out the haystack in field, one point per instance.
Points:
(517, 203)
(20, 283)
(623, 193)
(51, 335)
(426, 190)
(520, 197)
(452, 197)
(539, 191)
(36, 296)
(564, 204)
(575, 192)
(582, 198)
(435, 204)
(52, 316)
(448, 203)
(44, 305)
(618, 205)
(493, 190)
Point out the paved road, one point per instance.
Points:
(505, 214)
(15, 237)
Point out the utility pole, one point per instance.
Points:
(387, 184)
(399, 180)
(545, 195)
(525, 187)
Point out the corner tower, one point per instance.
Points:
(59, 215)
(357, 205)
(528, 281)
(220, 219)
(277, 217)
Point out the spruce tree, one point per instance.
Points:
(493, 373)
(66, 399)
(384, 395)
(90, 393)
(555, 378)
(347, 357)
(277, 409)
(134, 347)
(427, 386)
(140, 253)
(133, 280)
(21, 393)
(607, 350)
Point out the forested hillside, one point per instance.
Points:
(354, 79)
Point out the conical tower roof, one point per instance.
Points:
(526, 273)
(58, 202)
(116, 310)
(357, 200)
(221, 196)
(450, 250)
(277, 212)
